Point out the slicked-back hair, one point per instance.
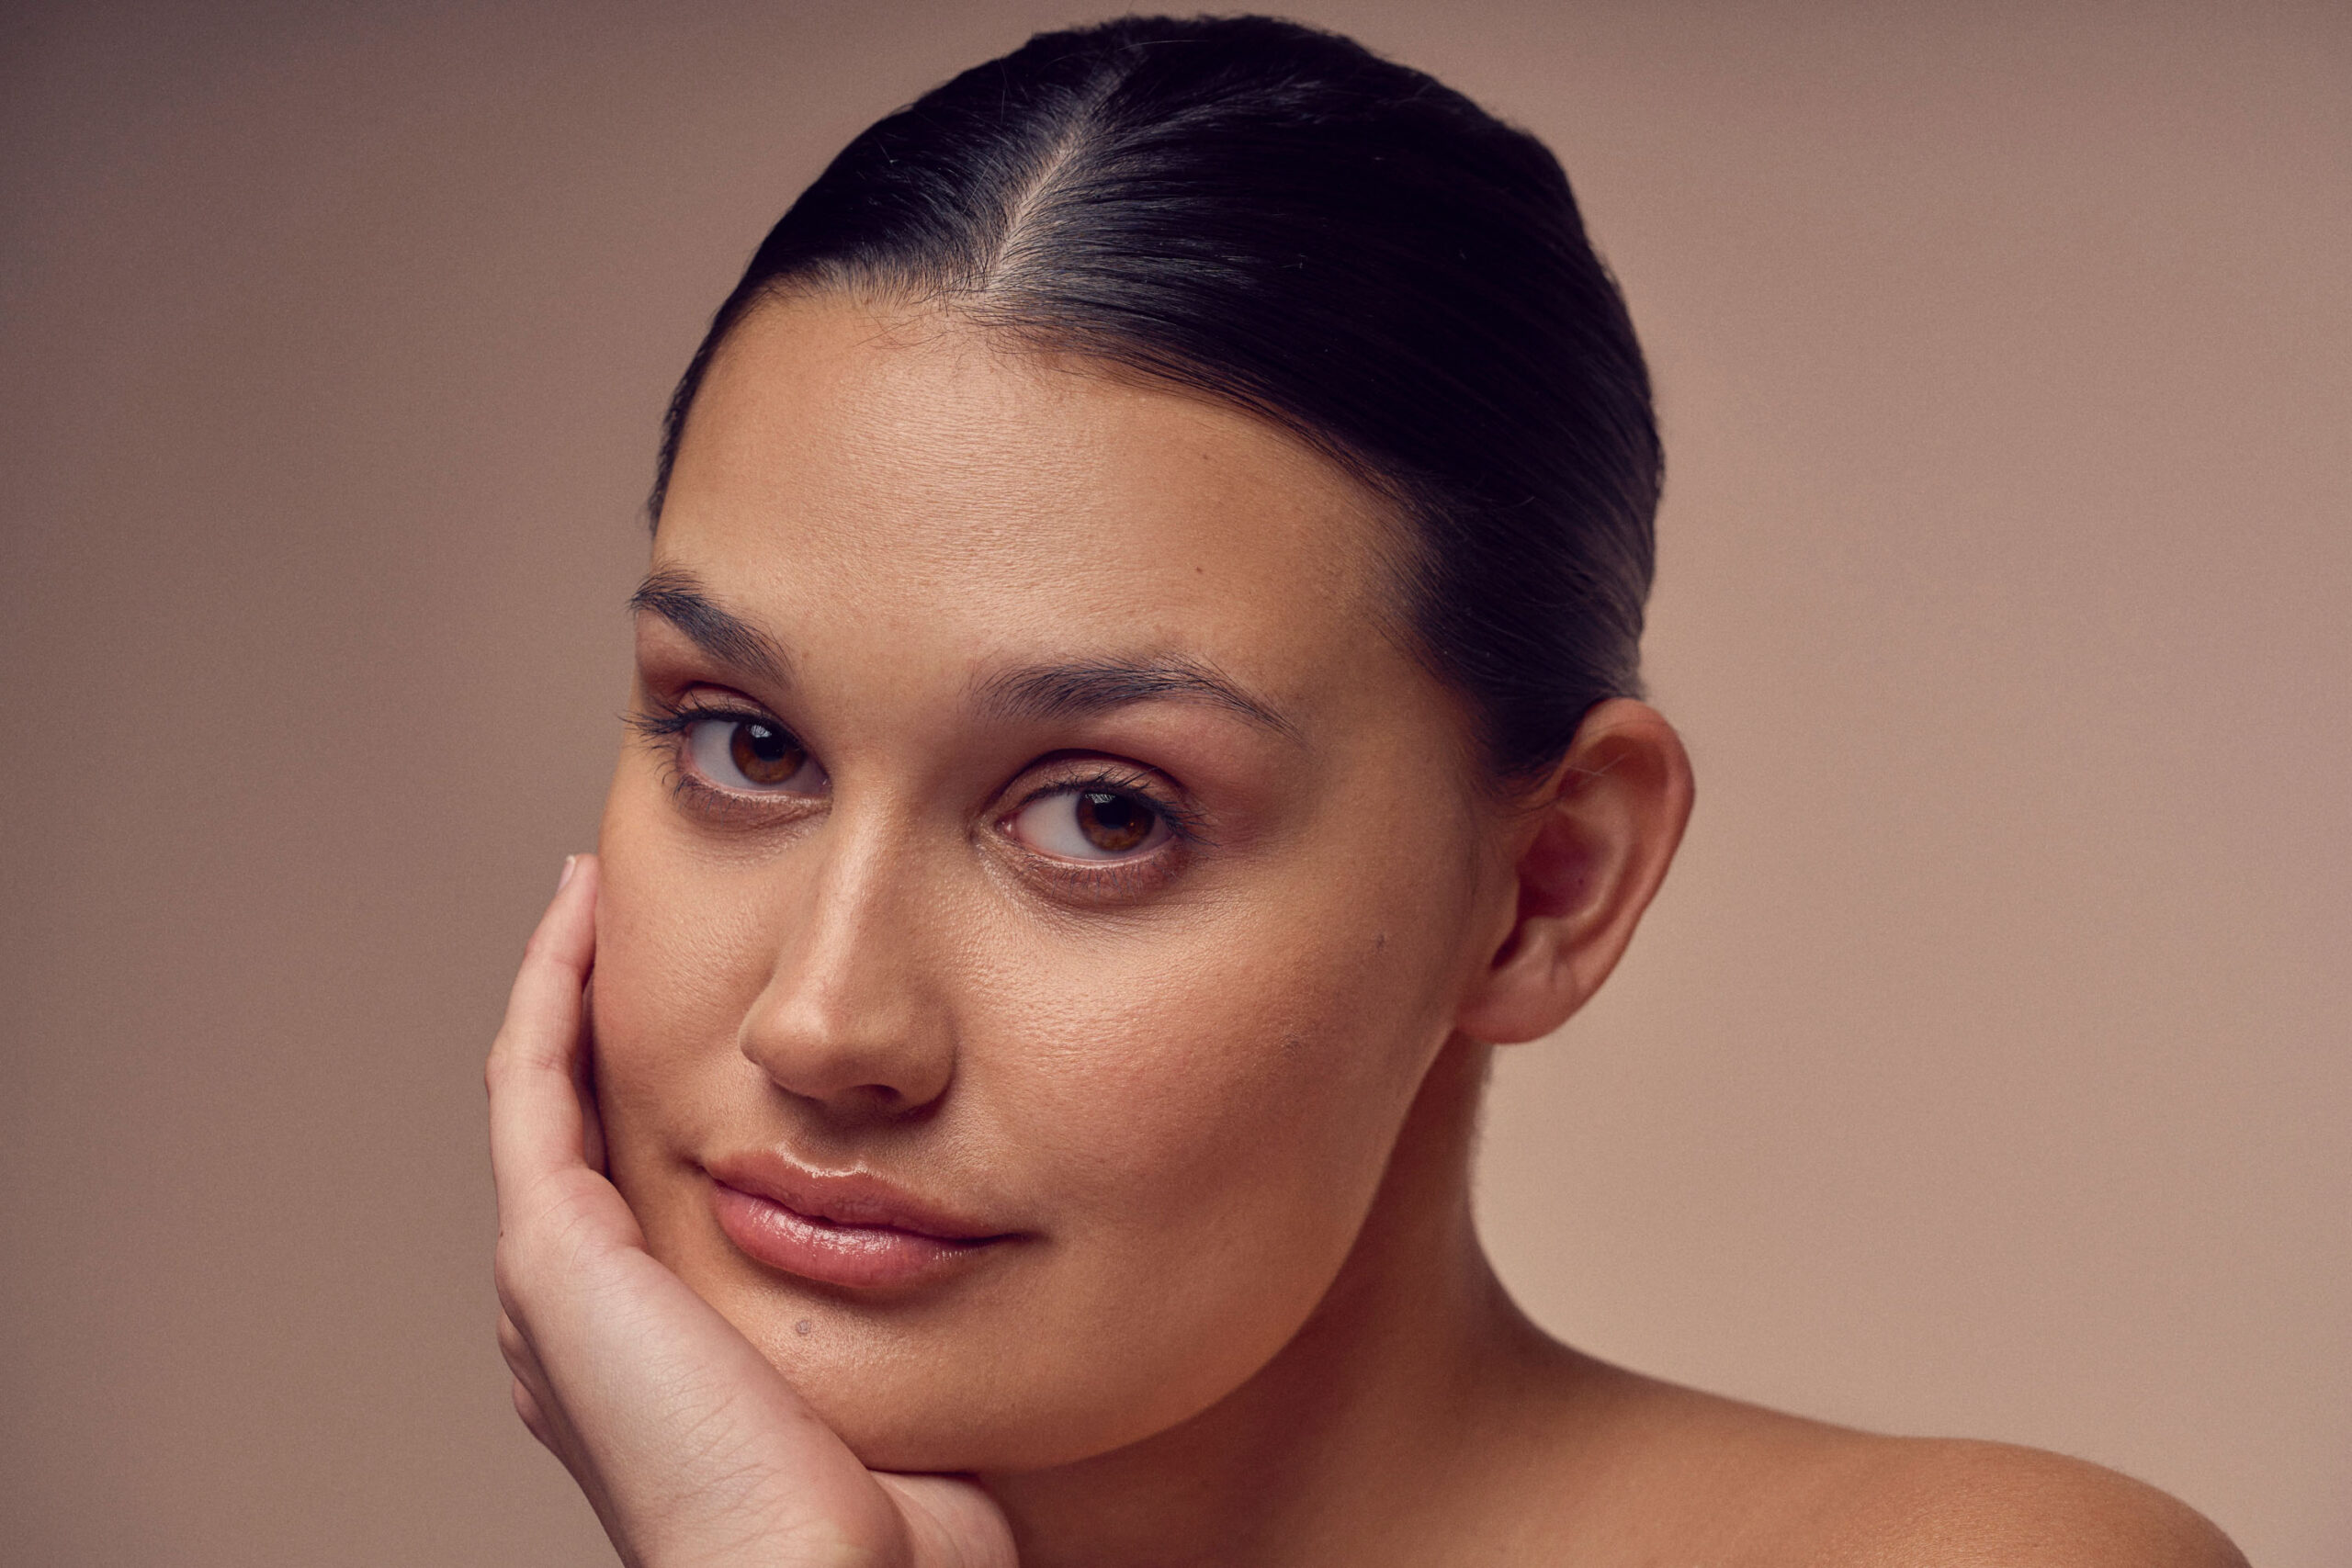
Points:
(1273, 216)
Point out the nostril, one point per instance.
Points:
(856, 1102)
(836, 1035)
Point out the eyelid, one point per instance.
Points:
(672, 717)
(1153, 788)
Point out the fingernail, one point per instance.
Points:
(570, 865)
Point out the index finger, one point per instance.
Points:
(536, 1123)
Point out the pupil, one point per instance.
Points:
(765, 754)
(1113, 822)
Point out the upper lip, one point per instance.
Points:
(845, 1197)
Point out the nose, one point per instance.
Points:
(850, 1019)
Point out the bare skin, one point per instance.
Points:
(1039, 824)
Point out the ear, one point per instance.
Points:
(1590, 848)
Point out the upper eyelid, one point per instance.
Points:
(674, 717)
(1183, 820)
(1104, 779)
(697, 699)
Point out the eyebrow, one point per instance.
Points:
(676, 595)
(1083, 690)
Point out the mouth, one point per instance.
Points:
(849, 1229)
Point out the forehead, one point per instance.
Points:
(902, 473)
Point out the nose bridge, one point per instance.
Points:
(850, 1017)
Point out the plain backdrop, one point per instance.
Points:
(1982, 1070)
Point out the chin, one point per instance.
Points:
(968, 1382)
(909, 1394)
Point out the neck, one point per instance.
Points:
(1367, 1426)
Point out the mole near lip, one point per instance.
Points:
(849, 1229)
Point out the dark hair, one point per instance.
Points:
(1277, 217)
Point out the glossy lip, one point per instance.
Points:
(846, 1228)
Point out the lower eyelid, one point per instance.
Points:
(1110, 877)
(733, 810)
(715, 801)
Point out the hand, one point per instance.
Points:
(693, 1449)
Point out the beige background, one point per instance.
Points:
(1982, 1069)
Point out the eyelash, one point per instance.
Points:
(665, 728)
(670, 720)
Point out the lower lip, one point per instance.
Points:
(859, 1257)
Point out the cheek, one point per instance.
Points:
(679, 959)
(1273, 1029)
(1184, 1068)
(1247, 1068)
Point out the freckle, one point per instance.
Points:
(803, 1326)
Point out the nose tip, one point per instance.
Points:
(845, 1046)
(849, 1073)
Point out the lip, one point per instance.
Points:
(849, 1228)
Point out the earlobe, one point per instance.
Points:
(1589, 854)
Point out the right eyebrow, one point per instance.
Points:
(677, 596)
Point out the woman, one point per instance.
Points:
(1135, 699)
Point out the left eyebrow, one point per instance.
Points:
(678, 597)
(1084, 689)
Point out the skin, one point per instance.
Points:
(1218, 1094)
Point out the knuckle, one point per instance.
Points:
(507, 1271)
(498, 1068)
(519, 1052)
(527, 1406)
(546, 1233)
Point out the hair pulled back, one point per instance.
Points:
(1276, 217)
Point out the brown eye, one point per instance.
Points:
(765, 754)
(752, 754)
(1091, 824)
(1114, 823)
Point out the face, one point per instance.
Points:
(1034, 893)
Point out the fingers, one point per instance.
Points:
(526, 1406)
(511, 1343)
(530, 1392)
(951, 1523)
(536, 1124)
(584, 1084)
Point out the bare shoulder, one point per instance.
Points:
(1671, 1473)
(1908, 1501)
